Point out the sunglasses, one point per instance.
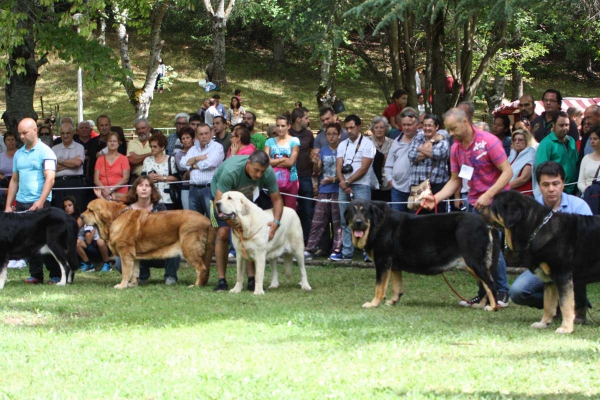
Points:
(408, 114)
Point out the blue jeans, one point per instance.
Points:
(360, 192)
(500, 276)
(398, 196)
(528, 290)
(171, 266)
(306, 208)
(199, 200)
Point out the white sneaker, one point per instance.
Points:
(231, 256)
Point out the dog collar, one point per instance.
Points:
(535, 232)
(122, 211)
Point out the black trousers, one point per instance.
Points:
(36, 263)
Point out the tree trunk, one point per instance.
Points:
(326, 94)
(392, 36)
(278, 50)
(141, 98)
(516, 82)
(438, 72)
(407, 37)
(495, 94)
(218, 17)
(19, 91)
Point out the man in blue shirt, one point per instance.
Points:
(528, 289)
(34, 170)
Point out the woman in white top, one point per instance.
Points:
(591, 162)
(236, 112)
(157, 168)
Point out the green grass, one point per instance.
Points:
(88, 340)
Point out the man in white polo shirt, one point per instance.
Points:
(69, 169)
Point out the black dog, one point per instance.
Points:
(425, 245)
(46, 231)
(557, 247)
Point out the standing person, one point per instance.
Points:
(560, 147)
(398, 165)
(45, 134)
(211, 112)
(283, 152)
(501, 130)
(112, 169)
(173, 140)
(327, 116)
(522, 161)
(202, 161)
(522, 124)
(235, 114)
(399, 100)
(353, 163)
(161, 169)
(220, 107)
(380, 126)
(187, 140)
(220, 133)
(527, 107)
(429, 153)
(161, 72)
(544, 124)
(591, 118)
(306, 206)
(249, 175)
(528, 289)
(479, 157)
(98, 144)
(202, 110)
(590, 164)
(69, 169)
(241, 144)
(238, 95)
(34, 170)
(257, 138)
(326, 208)
(139, 149)
(6, 164)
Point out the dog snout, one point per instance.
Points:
(359, 224)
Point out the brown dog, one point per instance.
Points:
(137, 235)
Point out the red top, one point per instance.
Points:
(111, 174)
(391, 111)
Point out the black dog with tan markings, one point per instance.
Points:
(557, 247)
(425, 245)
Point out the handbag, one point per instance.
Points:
(591, 195)
(284, 178)
(417, 193)
(175, 188)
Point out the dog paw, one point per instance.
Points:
(120, 286)
(540, 325)
(259, 291)
(132, 284)
(389, 303)
(562, 330)
(370, 304)
(236, 289)
(61, 283)
(275, 285)
(490, 308)
(305, 286)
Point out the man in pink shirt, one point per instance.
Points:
(479, 157)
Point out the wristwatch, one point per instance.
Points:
(164, 178)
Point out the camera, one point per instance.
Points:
(346, 169)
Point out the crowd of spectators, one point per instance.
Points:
(319, 170)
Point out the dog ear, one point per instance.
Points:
(378, 214)
(245, 210)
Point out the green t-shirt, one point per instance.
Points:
(550, 149)
(258, 140)
(231, 175)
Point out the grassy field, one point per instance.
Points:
(266, 90)
(89, 341)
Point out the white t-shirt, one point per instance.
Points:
(347, 150)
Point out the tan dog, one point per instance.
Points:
(136, 235)
(251, 239)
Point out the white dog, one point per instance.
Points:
(251, 240)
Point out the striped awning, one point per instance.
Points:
(580, 103)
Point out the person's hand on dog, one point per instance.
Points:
(483, 201)
(272, 229)
(37, 205)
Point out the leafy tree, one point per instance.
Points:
(219, 15)
(32, 29)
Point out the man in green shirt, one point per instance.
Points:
(257, 138)
(248, 175)
(558, 146)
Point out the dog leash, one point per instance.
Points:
(443, 275)
(535, 232)
(240, 235)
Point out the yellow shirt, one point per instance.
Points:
(135, 146)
